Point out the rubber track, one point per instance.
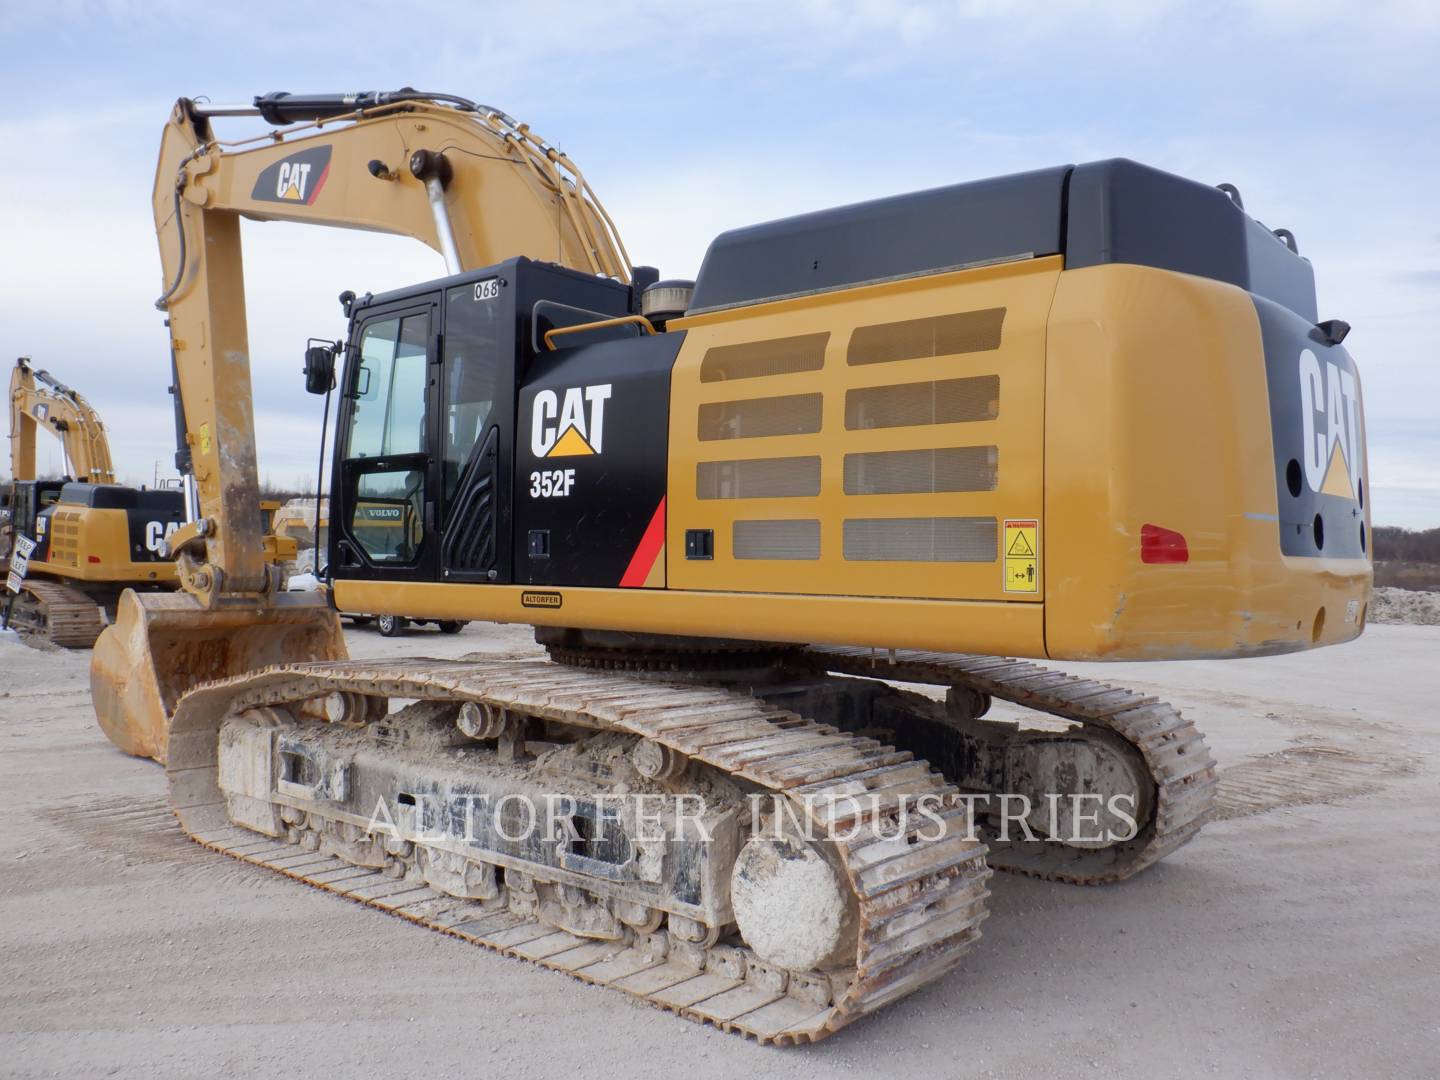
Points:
(64, 615)
(921, 899)
(1179, 761)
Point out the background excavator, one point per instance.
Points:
(1086, 412)
(94, 538)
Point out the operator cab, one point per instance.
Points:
(490, 430)
(28, 501)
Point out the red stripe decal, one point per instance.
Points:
(314, 191)
(648, 550)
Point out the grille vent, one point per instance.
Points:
(792, 414)
(799, 539)
(65, 538)
(947, 401)
(940, 335)
(918, 472)
(758, 478)
(940, 540)
(756, 359)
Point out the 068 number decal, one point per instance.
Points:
(550, 483)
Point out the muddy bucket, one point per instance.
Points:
(162, 644)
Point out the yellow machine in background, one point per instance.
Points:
(38, 400)
(94, 538)
(1086, 412)
(295, 521)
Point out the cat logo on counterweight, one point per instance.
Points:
(1330, 427)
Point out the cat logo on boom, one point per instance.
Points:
(295, 179)
(569, 423)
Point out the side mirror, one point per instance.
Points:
(320, 368)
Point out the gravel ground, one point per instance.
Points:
(1405, 606)
(1298, 936)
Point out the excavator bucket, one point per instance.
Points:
(163, 644)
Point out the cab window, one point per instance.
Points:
(388, 396)
(387, 516)
(387, 434)
(472, 352)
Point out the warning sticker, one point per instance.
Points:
(1022, 555)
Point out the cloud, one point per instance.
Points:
(1427, 278)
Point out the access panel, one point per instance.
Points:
(590, 465)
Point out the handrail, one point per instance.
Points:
(639, 320)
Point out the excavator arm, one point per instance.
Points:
(39, 400)
(465, 179)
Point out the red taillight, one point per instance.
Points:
(1159, 545)
(92, 558)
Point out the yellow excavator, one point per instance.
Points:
(780, 530)
(93, 538)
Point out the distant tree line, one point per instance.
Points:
(283, 493)
(1394, 544)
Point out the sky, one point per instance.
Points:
(689, 119)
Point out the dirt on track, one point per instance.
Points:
(1298, 936)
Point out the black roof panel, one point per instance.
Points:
(1114, 211)
(120, 497)
(921, 232)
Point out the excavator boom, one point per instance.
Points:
(38, 400)
(464, 179)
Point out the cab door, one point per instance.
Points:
(476, 424)
(383, 523)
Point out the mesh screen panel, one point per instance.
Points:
(776, 539)
(758, 478)
(947, 401)
(793, 414)
(915, 472)
(754, 359)
(969, 539)
(939, 335)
